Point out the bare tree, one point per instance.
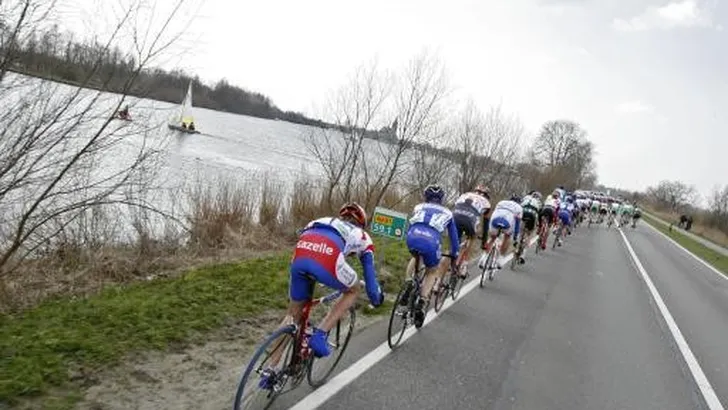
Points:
(719, 208)
(563, 155)
(673, 195)
(61, 155)
(487, 147)
(355, 108)
(417, 107)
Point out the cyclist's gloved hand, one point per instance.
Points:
(376, 297)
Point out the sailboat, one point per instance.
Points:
(184, 119)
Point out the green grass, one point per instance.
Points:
(42, 348)
(714, 258)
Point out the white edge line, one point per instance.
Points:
(696, 257)
(701, 380)
(341, 380)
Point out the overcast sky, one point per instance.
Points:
(645, 78)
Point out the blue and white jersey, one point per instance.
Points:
(431, 220)
(433, 215)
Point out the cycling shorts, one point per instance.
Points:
(502, 219)
(636, 215)
(424, 241)
(565, 217)
(318, 257)
(548, 213)
(603, 211)
(529, 218)
(465, 224)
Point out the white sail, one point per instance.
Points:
(185, 109)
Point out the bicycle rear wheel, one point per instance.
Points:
(401, 314)
(487, 266)
(458, 283)
(339, 338)
(258, 397)
(442, 290)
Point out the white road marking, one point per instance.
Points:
(711, 399)
(696, 257)
(333, 386)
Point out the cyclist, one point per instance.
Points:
(531, 205)
(469, 209)
(320, 255)
(563, 223)
(595, 206)
(627, 211)
(429, 220)
(548, 212)
(506, 216)
(637, 214)
(604, 207)
(572, 210)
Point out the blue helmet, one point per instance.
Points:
(434, 193)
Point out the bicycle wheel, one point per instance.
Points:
(442, 290)
(458, 283)
(280, 339)
(339, 338)
(401, 314)
(488, 262)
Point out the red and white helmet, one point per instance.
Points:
(355, 212)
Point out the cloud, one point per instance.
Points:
(676, 14)
(633, 107)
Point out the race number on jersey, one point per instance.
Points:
(434, 215)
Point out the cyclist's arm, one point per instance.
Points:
(452, 231)
(374, 292)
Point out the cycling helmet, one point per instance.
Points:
(355, 212)
(515, 198)
(570, 199)
(434, 193)
(482, 190)
(536, 195)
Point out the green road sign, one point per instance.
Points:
(391, 224)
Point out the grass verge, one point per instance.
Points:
(714, 258)
(49, 352)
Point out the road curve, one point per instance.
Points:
(575, 328)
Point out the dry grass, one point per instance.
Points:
(700, 227)
(225, 221)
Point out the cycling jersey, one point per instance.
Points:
(468, 210)
(531, 208)
(507, 215)
(428, 222)
(530, 204)
(321, 252)
(551, 202)
(595, 205)
(472, 204)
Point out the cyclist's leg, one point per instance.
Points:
(344, 279)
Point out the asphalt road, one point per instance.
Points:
(575, 328)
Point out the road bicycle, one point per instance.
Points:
(289, 345)
(543, 230)
(405, 304)
(519, 251)
(557, 235)
(491, 263)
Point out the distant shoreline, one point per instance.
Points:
(91, 86)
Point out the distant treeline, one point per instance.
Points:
(59, 56)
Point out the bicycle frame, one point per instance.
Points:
(301, 351)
